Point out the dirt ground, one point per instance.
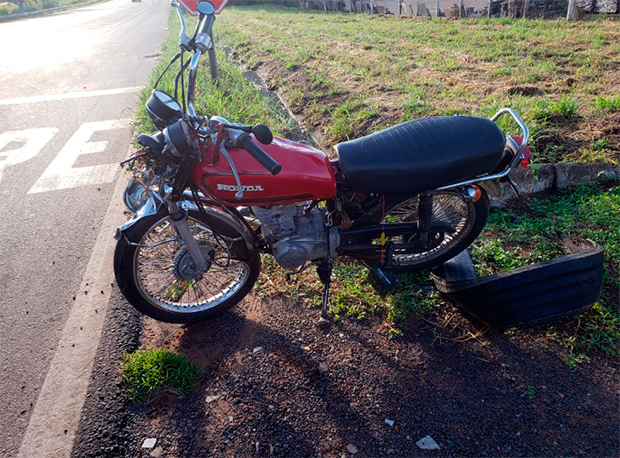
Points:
(277, 384)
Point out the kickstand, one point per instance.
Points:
(324, 270)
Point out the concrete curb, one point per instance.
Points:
(554, 177)
(10, 17)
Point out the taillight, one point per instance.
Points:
(527, 153)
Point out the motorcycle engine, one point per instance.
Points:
(296, 236)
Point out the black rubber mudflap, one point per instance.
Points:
(537, 294)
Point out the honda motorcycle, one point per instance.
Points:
(209, 196)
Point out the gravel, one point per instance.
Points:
(331, 393)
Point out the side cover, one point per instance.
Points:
(306, 175)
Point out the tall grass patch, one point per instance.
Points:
(146, 372)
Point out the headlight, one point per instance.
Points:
(135, 195)
(181, 139)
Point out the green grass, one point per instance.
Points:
(352, 293)
(608, 104)
(8, 8)
(146, 372)
(36, 5)
(460, 67)
(232, 97)
(549, 110)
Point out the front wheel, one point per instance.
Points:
(455, 224)
(151, 265)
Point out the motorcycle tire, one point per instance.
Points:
(468, 219)
(150, 263)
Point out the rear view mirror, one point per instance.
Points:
(263, 134)
(205, 8)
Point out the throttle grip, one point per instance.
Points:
(261, 156)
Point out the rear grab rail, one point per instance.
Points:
(518, 157)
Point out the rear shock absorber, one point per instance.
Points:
(425, 215)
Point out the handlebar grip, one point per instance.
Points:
(261, 156)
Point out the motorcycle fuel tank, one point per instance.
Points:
(306, 175)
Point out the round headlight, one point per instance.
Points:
(163, 109)
(181, 139)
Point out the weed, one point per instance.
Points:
(572, 360)
(548, 110)
(346, 118)
(530, 392)
(412, 297)
(148, 371)
(607, 104)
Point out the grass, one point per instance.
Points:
(36, 5)
(558, 73)
(234, 97)
(512, 239)
(608, 104)
(149, 371)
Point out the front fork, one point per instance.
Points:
(178, 218)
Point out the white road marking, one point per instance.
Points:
(70, 95)
(35, 140)
(62, 175)
(56, 415)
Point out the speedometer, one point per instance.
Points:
(163, 109)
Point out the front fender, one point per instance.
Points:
(150, 207)
(154, 204)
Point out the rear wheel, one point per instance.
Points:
(153, 270)
(455, 224)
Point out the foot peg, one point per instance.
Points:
(385, 278)
(298, 271)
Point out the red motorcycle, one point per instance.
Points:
(208, 200)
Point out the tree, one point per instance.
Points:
(19, 3)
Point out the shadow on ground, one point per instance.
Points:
(287, 387)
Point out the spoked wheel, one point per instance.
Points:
(455, 224)
(155, 271)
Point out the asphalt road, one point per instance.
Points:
(69, 84)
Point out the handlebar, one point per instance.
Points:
(200, 43)
(260, 155)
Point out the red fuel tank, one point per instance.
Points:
(306, 175)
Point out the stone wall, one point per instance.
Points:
(599, 6)
(553, 8)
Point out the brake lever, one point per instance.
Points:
(185, 40)
(224, 153)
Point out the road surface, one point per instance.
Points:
(69, 85)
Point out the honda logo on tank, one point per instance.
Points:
(191, 6)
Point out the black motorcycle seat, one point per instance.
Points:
(421, 155)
